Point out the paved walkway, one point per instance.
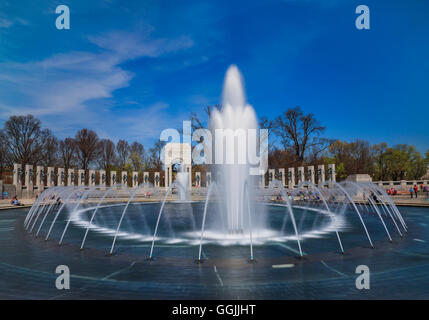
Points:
(5, 204)
(421, 201)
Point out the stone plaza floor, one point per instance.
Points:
(398, 271)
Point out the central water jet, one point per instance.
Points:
(232, 123)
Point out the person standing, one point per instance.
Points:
(416, 189)
(411, 192)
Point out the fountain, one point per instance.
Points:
(232, 212)
(235, 115)
(182, 178)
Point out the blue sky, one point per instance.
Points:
(129, 69)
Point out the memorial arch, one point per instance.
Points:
(177, 153)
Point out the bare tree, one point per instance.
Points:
(50, 149)
(137, 155)
(352, 157)
(278, 158)
(107, 156)
(4, 153)
(299, 132)
(87, 147)
(268, 125)
(123, 151)
(67, 152)
(196, 122)
(24, 139)
(155, 155)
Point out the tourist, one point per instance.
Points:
(15, 202)
(411, 192)
(416, 189)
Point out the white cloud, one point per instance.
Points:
(7, 23)
(61, 88)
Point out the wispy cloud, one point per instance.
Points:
(7, 23)
(67, 84)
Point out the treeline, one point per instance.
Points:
(383, 163)
(23, 140)
(296, 139)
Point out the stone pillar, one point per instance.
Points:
(169, 176)
(198, 179)
(262, 184)
(167, 179)
(28, 179)
(189, 171)
(321, 173)
(50, 177)
(17, 175)
(91, 178)
(208, 178)
(271, 175)
(102, 181)
(40, 179)
(135, 179)
(112, 178)
(61, 179)
(301, 175)
(281, 176)
(124, 179)
(331, 172)
(81, 177)
(70, 177)
(291, 177)
(156, 179)
(310, 174)
(145, 177)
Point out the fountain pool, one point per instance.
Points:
(233, 239)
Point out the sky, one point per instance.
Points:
(129, 69)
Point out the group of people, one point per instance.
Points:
(392, 191)
(414, 190)
(15, 202)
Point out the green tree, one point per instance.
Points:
(381, 170)
(404, 162)
(351, 157)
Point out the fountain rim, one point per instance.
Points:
(192, 237)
